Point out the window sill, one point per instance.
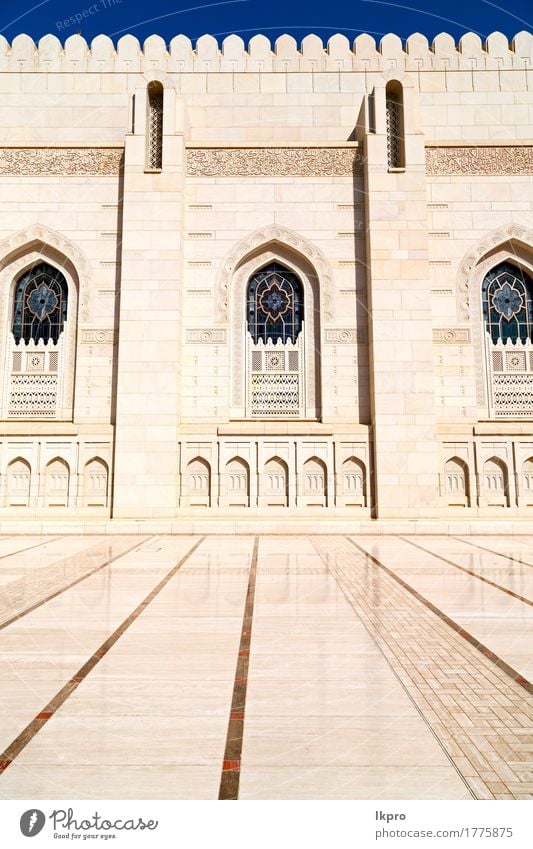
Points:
(153, 170)
(396, 170)
(269, 427)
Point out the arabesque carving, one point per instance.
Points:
(478, 160)
(60, 162)
(273, 162)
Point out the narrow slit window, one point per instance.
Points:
(394, 124)
(155, 126)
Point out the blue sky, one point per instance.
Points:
(272, 17)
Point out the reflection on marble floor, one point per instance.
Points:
(380, 667)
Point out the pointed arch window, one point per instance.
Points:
(507, 301)
(40, 305)
(40, 339)
(275, 307)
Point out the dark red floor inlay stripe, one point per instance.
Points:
(468, 571)
(48, 598)
(27, 548)
(231, 765)
(492, 551)
(19, 743)
(486, 652)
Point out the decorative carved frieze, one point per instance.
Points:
(273, 162)
(97, 337)
(452, 335)
(484, 161)
(206, 336)
(60, 162)
(340, 336)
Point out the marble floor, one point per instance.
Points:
(327, 667)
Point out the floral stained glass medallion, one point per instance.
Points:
(274, 304)
(507, 295)
(40, 307)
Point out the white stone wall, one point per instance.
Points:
(154, 256)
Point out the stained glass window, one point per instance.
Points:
(274, 306)
(40, 308)
(508, 303)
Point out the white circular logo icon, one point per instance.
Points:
(32, 822)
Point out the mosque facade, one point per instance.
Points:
(255, 279)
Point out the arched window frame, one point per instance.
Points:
(155, 104)
(11, 270)
(302, 268)
(480, 263)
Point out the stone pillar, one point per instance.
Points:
(146, 451)
(402, 388)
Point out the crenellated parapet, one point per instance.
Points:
(470, 53)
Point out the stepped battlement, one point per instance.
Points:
(232, 55)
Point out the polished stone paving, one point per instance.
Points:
(270, 667)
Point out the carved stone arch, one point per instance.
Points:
(391, 75)
(511, 243)
(511, 233)
(278, 245)
(18, 253)
(156, 75)
(59, 249)
(271, 235)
